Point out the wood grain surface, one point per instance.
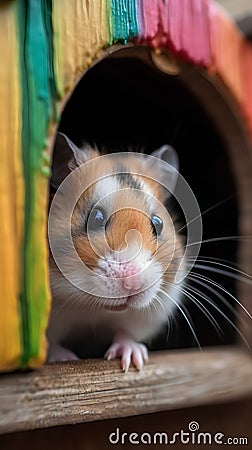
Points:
(231, 419)
(82, 391)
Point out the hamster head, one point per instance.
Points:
(121, 233)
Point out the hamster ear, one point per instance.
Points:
(67, 157)
(167, 173)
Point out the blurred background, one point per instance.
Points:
(238, 8)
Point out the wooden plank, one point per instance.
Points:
(230, 419)
(83, 391)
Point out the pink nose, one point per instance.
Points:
(132, 280)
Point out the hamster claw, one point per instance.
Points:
(129, 352)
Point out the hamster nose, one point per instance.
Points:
(132, 281)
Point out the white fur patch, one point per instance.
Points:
(104, 187)
(110, 269)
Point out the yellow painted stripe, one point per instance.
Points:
(11, 190)
(80, 32)
(40, 272)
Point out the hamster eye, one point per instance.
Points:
(96, 220)
(157, 225)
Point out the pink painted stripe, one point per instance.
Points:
(164, 20)
(174, 26)
(186, 29)
(140, 20)
(201, 33)
(151, 19)
(182, 26)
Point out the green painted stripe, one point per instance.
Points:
(47, 14)
(25, 145)
(124, 20)
(38, 97)
(133, 25)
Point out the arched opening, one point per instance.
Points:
(124, 100)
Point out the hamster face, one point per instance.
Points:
(125, 237)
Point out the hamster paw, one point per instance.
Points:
(129, 351)
(59, 353)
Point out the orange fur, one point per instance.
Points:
(129, 219)
(124, 218)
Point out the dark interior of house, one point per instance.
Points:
(123, 102)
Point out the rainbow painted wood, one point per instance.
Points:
(45, 46)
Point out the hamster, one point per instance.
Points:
(123, 238)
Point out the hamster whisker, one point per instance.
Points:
(220, 297)
(213, 304)
(93, 303)
(161, 246)
(222, 238)
(224, 301)
(71, 301)
(157, 303)
(216, 205)
(205, 297)
(59, 308)
(194, 276)
(185, 315)
(169, 317)
(207, 258)
(230, 307)
(220, 262)
(201, 307)
(164, 244)
(225, 272)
